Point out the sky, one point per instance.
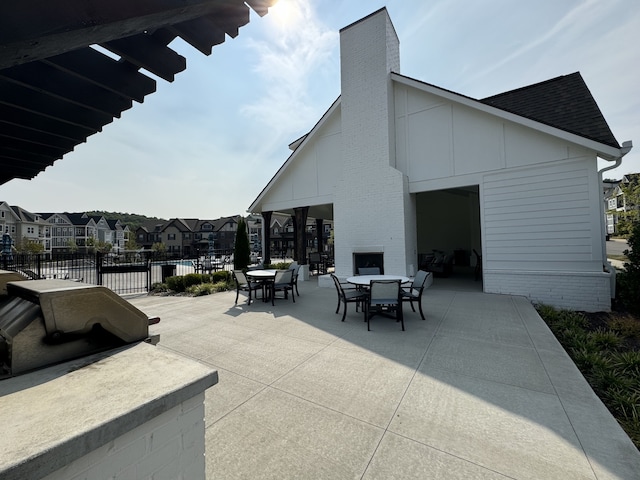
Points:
(205, 145)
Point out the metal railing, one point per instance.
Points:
(124, 273)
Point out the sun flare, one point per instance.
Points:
(284, 11)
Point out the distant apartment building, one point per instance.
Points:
(616, 205)
(24, 226)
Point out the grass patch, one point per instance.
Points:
(606, 349)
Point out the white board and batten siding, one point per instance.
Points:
(541, 235)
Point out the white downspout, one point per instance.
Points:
(626, 148)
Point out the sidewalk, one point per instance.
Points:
(481, 389)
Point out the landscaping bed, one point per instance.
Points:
(605, 346)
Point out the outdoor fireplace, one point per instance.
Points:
(368, 259)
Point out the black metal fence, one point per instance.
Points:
(125, 273)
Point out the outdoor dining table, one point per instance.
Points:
(264, 277)
(365, 280)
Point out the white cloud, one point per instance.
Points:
(291, 54)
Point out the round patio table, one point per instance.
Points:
(365, 280)
(264, 277)
(261, 274)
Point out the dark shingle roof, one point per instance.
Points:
(563, 102)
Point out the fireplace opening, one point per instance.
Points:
(368, 259)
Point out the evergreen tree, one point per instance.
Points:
(241, 252)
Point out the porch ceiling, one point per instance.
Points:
(56, 90)
(324, 211)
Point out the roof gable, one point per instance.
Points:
(563, 102)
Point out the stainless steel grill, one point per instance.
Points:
(43, 322)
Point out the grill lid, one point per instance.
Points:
(49, 321)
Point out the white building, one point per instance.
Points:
(404, 168)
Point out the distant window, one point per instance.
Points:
(171, 236)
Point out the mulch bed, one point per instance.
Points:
(602, 320)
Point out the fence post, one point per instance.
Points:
(99, 268)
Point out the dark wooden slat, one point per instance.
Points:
(200, 33)
(122, 78)
(34, 148)
(146, 52)
(50, 80)
(27, 160)
(26, 119)
(35, 29)
(230, 18)
(261, 7)
(34, 136)
(27, 99)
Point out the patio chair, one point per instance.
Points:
(295, 268)
(384, 298)
(244, 285)
(348, 295)
(316, 263)
(368, 270)
(283, 282)
(414, 292)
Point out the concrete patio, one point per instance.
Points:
(481, 389)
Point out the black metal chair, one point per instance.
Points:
(385, 298)
(243, 284)
(283, 282)
(414, 292)
(295, 268)
(348, 295)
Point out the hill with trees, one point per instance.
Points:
(133, 220)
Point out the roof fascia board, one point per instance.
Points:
(253, 207)
(604, 151)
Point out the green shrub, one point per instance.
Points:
(613, 373)
(627, 326)
(604, 380)
(278, 266)
(606, 339)
(191, 279)
(191, 282)
(589, 360)
(628, 281)
(176, 283)
(200, 289)
(627, 363)
(208, 288)
(159, 287)
(220, 276)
